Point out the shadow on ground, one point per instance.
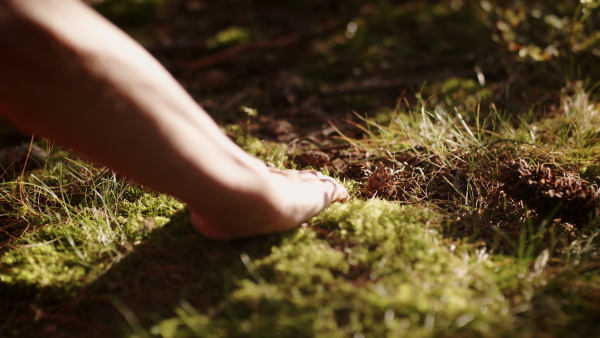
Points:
(174, 264)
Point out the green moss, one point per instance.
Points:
(43, 267)
(382, 270)
(228, 37)
(74, 241)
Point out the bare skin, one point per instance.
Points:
(68, 74)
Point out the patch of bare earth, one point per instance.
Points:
(551, 192)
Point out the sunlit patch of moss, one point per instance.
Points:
(76, 237)
(149, 204)
(372, 268)
(272, 153)
(43, 267)
(228, 37)
(58, 259)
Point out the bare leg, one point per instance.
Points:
(68, 74)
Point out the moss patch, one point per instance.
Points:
(374, 268)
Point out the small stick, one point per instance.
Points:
(285, 41)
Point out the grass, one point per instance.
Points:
(437, 247)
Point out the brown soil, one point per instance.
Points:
(551, 192)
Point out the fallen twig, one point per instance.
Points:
(285, 41)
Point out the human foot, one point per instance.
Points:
(292, 197)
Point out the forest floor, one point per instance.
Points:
(468, 133)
